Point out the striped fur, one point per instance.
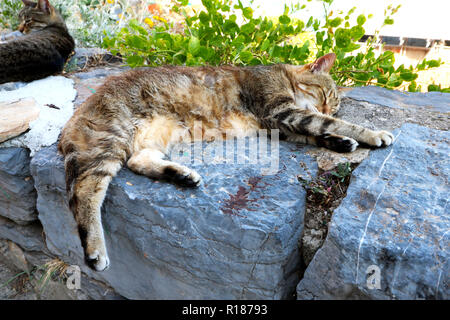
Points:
(42, 51)
(135, 117)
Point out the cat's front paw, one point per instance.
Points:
(97, 260)
(337, 143)
(183, 176)
(381, 139)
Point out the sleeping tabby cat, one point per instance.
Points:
(135, 117)
(44, 48)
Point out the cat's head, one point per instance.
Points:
(315, 90)
(38, 15)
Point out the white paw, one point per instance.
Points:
(98, 261)
(195, 177)
(187, 177)
(382, 138)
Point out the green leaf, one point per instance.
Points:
(194, 45)
(247, 12)
(230, 27)
(135, 41)
(412, 87)
(284, 19)
(255, 62)
(135, 26)
(343, 37)
(357, 32)
(361, 19)
(239, 40)
(408, 76)
(300, 26)
(433, 63)
(246, 56)
(248, 28)
(204, 17)
(276, 51)
(304, 51)
(388, 21)
(319, 37)
(352, 47)
(135, 61)
(433, 87)
(335, 22)
(265, 45)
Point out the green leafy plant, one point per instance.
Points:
(224, 33)
(328, 183)
(87, 20)
(211, 37)
(9, 10)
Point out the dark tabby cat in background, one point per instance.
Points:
(42, 51)
(134, 118)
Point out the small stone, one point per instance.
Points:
(15, 117)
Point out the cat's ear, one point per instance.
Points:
(323, 64)
(29, 3)
(44, 6)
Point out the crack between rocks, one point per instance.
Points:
(253, 267)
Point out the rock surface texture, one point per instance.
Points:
(235, 237)
(17, 193)
(389, 239)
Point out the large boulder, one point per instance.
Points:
(432, 101)
(29, 237)
(17, 193)
(234, 237)
(389, 239)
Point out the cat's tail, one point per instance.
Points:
(89, 170)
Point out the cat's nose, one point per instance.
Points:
(326, 109)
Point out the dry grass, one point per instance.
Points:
(53, 269)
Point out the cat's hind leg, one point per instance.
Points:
(151, 163)
(154, 137)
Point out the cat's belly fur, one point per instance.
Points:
(163, 131)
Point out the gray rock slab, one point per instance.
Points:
(17, 194)
(234, 237)
(393, 226)
(433, 101)
(29, 237)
